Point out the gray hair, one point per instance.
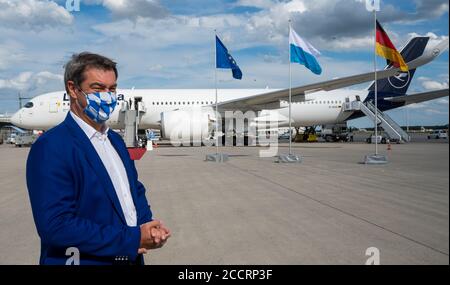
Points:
(79, 63)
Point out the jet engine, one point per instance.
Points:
(187, 127)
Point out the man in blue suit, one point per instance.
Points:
(87, 202)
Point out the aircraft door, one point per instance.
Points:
(347, 104)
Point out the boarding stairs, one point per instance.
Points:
(392, 129)
(130, 116)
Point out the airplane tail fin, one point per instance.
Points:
(398, 85)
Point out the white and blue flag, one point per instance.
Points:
(304, 53)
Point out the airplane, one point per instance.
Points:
(313, 104)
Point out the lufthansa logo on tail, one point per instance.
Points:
(400, 81)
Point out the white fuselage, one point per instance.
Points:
(46, 111)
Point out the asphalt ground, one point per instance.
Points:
(329, 209)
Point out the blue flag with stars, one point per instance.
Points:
(225, 60)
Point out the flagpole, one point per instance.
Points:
(215, 87)
(290, 90)
(376, 84)
(376, 158)
(290, 158)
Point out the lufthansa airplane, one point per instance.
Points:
(313, 104)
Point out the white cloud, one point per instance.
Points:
(156, 67)
(434, 85)
(430, 84)
(20, 82)
(28, 81)
(432, 8)
(418, 105)
(442, 101)
(435, 112)
(169, 31)
(346, 44)
(33, 14)
(183, 45)
(266, 27)
(136, 8)
(11, 52)
(434, 39)
(90, 2)
(132, 9)
(444, 76)
(255, 3)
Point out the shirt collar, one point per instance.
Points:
(89, 130)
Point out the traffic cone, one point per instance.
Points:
(389, 146)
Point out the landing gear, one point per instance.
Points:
(329, 138)
(383, 140)
(297, 134)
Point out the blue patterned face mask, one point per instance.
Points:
(100, 105)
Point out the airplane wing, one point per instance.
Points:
(271, 100)
(420, 97)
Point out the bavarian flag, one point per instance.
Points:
(386, 49)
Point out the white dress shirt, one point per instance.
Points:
(114, 165)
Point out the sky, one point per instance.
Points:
(170, 44)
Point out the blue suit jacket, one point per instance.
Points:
(74, 202)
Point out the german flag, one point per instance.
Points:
(386, 49)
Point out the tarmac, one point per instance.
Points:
(250, 210)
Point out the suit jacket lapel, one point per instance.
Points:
(96, 163)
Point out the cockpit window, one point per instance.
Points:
(29, 105)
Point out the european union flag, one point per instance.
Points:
(225, 60)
